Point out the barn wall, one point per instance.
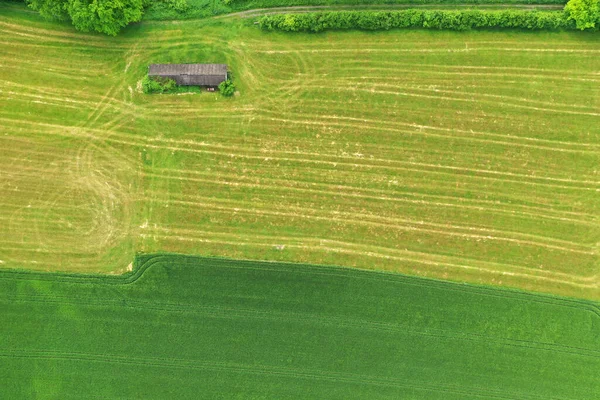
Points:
(193, 80)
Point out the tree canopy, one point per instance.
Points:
(585, 13)
(50, 9)
(105, 16)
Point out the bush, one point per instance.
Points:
(416, 18)
(227, 88)
(585, 13)
(158, 85)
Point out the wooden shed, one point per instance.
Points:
(208, 75)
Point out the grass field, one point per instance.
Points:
(183, 327)
(466, 156)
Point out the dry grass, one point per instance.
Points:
(468, 156)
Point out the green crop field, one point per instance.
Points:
(182, 327)
(470, 156)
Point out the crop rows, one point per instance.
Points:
(210, 324)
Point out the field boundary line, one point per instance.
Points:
(300, 241)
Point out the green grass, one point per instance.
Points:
(184, 327)
(465, 156)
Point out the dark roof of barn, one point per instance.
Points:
(191, 74)
(187, 69)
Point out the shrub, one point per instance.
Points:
(180, 6)
(158, 85)
(227, 88)
(168, 85)
(415, 18)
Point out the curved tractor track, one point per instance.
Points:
(470, 156)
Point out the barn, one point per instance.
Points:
(208, 75)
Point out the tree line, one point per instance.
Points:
(110, 16)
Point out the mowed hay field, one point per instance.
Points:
(183, 327)
(466, 156)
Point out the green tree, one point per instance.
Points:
(585, 13)
(51, 9)
(105, 16)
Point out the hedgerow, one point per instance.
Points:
(460, 20)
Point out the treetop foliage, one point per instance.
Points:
(585, 13)
(50, 9)
(105, 16)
